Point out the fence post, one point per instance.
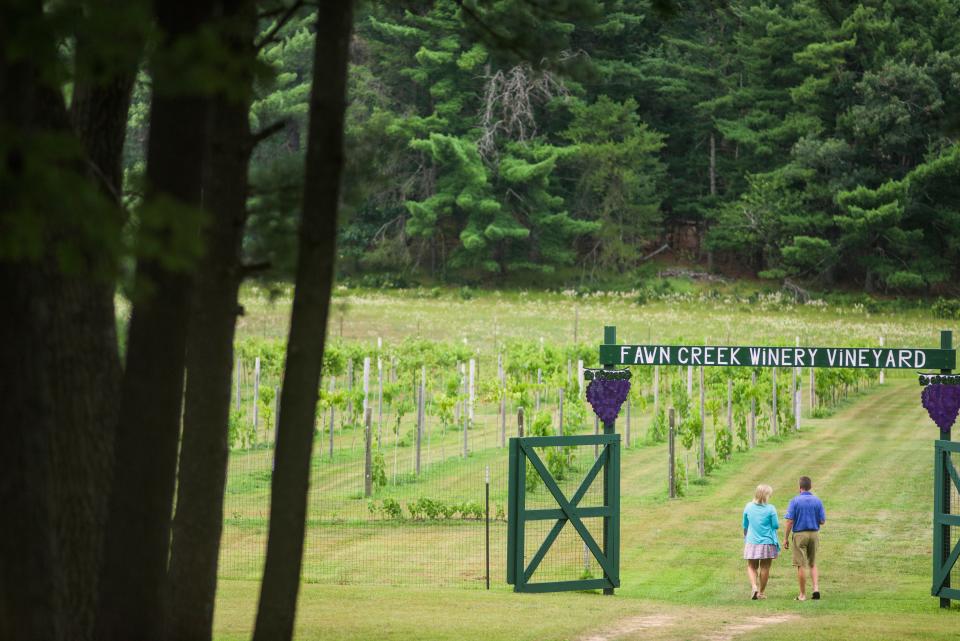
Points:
(702, 458)
(730, 413)
(366, 384)
(753, 409)
(379, 399)
(239, 366)
(672, 469)
(465, 413)
(256, 397)
(503, 400)
(580, 378)
(946, 342)
(797, 403)
(333, 386)
(473, 389)
(520, 422)
(487, 513)
(773, 418)
(656, 391)
(813, 391)
(276, 411)
(689, 381)
(419, 438)
(368, 454)
(596, 430)
(560, 405)
(628, 423)
(881, 369)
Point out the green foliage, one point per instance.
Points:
(657, 433)
(680, 477)
(946, 308)
(723, 444)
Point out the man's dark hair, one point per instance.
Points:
(805, 483)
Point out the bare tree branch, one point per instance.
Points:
(266, 132)
(278, 25)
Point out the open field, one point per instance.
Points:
(693, 313)
(871, 462)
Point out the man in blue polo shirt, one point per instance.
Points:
(804, 517)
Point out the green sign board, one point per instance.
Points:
(716, 355)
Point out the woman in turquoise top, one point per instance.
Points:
(760, 545)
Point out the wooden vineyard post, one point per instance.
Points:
(276, 411)
(627, 434)
(420, 407)
(472, 390)
(256, 396)
(689, 381)
(946, 342)
(333, 387)
(239, 367)
(730, 413)
(596, 430)
(349, 376)
(560, 411)
(753, 410)
(366, 383)
(656, 391)
(701, 459)
(580, 378)
(881, 371)
(368, 454)
(813, 390)
(797, 409)
(379, 399)
(464, 414)
(536, 394)
(672, 464)
(503, 400)
(520, 422)
(773, 414)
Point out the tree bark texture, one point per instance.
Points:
(133, 579)
(59, 346)
(83, 333)
(198, 523)
(308, 322)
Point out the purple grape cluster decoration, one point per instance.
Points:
(942, 402)
(607, 392)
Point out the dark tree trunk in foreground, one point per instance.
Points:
(308, 324)
(83, 335)
(57, 334)
(133, 581)
(198, 523)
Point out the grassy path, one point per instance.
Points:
(682, 573)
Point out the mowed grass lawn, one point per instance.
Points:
(681, 569)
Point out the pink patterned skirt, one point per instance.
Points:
(755, 551)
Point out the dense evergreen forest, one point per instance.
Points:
(813, 139)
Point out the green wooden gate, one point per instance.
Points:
(945, 552)
(522, 452)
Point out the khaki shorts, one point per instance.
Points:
(804, 548)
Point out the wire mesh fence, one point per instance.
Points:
(400, 497)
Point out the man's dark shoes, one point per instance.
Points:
(816, 596)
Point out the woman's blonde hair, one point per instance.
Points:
(762, 494)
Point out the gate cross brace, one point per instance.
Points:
(570, 512)
(941, 573)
